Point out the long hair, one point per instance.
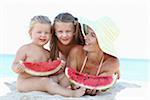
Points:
(79, 39)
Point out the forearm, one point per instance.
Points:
(110, 66)
(17, 68)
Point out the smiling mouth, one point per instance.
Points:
(43, 40)
(65, 39)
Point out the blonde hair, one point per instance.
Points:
(39, 19)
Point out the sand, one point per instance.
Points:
(123, 90)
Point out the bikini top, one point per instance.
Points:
(99, 67)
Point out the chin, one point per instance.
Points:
(65, 43)
(88, 48)
(42, 44)
(85, 48)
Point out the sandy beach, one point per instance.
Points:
(123, 90)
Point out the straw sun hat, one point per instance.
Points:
(106, 33)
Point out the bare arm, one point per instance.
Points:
(75, 57)
(20, 56)
(74, 60)
(71, 61)
(110, 66)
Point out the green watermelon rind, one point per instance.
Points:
(115, 77)
(35, 73)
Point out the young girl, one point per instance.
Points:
(40, 33)
(66, 35)
(97, 56)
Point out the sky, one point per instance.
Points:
(131, 17)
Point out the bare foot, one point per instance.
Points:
(79, 92)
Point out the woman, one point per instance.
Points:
(97, 56)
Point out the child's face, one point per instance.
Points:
(91, 43)
(40, 34)
(64, 32)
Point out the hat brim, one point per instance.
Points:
(106, 33)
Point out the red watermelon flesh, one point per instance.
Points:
(42, 68)
(90, 81)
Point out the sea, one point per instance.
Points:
(130, 69)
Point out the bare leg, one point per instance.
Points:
(48, 85)
(63, 80)
(55, 88)
(32, 84)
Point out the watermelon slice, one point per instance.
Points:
(43, 68)
(90, 81)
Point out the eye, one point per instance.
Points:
(46, 32)
(93, 34)
(69, 32)
(59, 32)
(39, 32)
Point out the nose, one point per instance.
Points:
(87, 37)
(43, 34)
(64, 34)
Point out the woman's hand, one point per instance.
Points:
(74, 87)
(91, 92)
(118, 72)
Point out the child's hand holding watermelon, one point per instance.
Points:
(20, 67)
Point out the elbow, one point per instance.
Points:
(15, 69)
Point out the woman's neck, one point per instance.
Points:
(95, 57)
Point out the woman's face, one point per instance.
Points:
(91, 43)
(64, 32)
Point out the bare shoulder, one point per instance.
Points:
(111, 59)
(77, 49)
(24, 48)
(22, 53)
(77, 52)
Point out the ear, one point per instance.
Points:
(30, 33)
